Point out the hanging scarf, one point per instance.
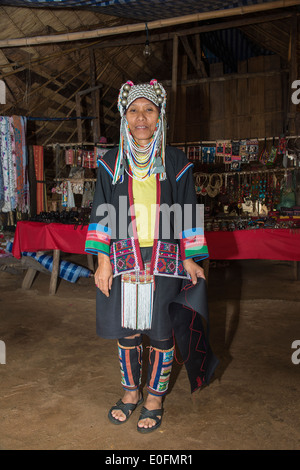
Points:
(7, 164)
(13, 164)
(38, 153)
(22, 185)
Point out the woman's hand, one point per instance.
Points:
(193, 269)
(104, 274)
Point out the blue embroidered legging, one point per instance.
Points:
(161, 354)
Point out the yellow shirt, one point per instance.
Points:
(144, 197)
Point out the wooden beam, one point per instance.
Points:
(190, 54)
(44, 85)
(103, 69)
(223, 78)
(200, 64)
(89, 90)
(236, 23)
(165, 23)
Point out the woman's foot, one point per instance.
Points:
(129, 398)
(152, 403)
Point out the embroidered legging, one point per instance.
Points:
(161, 354)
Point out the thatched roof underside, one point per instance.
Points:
(42, 81)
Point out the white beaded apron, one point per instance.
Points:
(137, 289)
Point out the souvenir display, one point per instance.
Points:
(238, 180)
(258, 179)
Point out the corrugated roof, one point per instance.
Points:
(142, 10)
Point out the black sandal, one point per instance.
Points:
(126, 408)
(156, 415)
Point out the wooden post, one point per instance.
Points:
(182, 137)
(29, 278)
(174, 87)
(57, 158)
(293, 65)
(78, 114)
(97, 121)
(90, 261)
(96, 128)
(95, 98)
(200, 64)
(296, 270)
(32, 181)
(196, 60)
(55, 271)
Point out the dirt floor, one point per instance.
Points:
(60, 379)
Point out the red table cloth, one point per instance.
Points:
(38, 236)
(274, 244)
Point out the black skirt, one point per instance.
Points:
(108, 309)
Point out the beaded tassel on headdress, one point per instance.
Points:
(142, 162)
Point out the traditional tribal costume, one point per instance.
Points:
(148, 271)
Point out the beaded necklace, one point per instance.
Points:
(140, 158)
(143, 161)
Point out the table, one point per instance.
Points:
(38, 236)
(272, 244)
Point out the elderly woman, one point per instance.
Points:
(146, 247)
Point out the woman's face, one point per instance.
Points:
(142, 116)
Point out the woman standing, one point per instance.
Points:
(144, 230)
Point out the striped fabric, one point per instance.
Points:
(130, 358)
(193, 244)
(160, 366)
(184, 169)
(68, 271)
(98, 239)
(106, 167)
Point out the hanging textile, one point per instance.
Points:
(1, 185)
(14, 188)
(7, 165)
(22, 184)
(38, 154)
